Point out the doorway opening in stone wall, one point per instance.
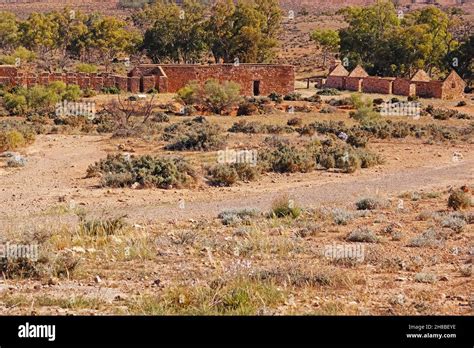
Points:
(256, 88)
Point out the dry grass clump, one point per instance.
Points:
(240, 296)
(296, 275)
(283, 206)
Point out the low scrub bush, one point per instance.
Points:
(275, 97)
(328, 109)
(247, 108)
(229, 174)
(147, 171)
(39, 99)
(369, 204)
(429, 238)
(295, 121)
(328, 91)
(363, 235)
(222, 175)
(212, 95)
(233, 217)
(255, 127)
(293, 96)
(288, 159)
(161, 117)
(15, 134)
(314, 99)
(194, 135)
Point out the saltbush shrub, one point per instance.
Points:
(162, 172)
(194, 135)
(222, 175)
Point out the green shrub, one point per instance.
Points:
(328, 91)
(255, 127)
(21, 53)
(196, 136)
(307, 130)
(289, 159)
(293, 96)
(86, 68)
(357, 140)
(89, 92)
(247, 108)
(11, 140)
(229, 174)
(341, 102)
(314, 99)
(214, 96)
(327, 161)
(365, 114)
(368, 204)
(189, 94)
(220, 97)
(110, 90)
(14, 135)
(349, 163)
(246, 171)
(222, 175)
(39, 99)
(277, 98)
(368, 159)
(148, 171)
(15, 104)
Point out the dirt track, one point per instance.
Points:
(54, 176)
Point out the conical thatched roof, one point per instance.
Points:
(421, 76)
(339, 70)
(358, 72)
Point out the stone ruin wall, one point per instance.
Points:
(273, 78)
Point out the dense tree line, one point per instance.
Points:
(388, 42)
(245, 31)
